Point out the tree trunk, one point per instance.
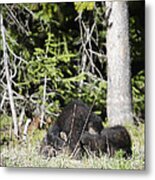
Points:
(9, 88)
(119, 104)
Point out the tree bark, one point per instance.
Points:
(119, 103)
(9, 88)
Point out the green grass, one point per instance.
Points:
(26, 155)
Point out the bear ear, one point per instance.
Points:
(92, 131)
(63, 136)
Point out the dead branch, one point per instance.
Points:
(43, 104)
(72, 123)
(14, 18)
(26, 129)
(74, 152)
(9, 88)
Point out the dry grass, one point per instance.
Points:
(26, 155)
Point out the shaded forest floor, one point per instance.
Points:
(27, 155)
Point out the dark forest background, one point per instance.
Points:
(50, 48)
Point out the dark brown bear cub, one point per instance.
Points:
(110, 140)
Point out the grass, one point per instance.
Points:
(26, 155)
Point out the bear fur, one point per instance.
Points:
(110, 140)
(75, 118)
